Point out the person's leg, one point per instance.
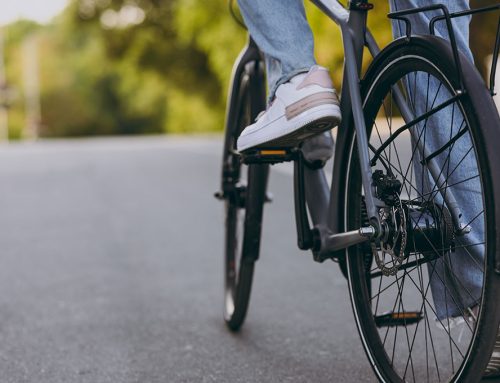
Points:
(302, 101)
(456, 279)
(282, 33)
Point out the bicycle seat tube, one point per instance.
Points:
(353, 25)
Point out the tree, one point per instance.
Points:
(151, 66)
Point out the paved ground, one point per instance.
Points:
(111, 271)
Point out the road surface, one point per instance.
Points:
(111, 271)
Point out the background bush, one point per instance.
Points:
(152, 66)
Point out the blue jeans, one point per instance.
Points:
(281, 31)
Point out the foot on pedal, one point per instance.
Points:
(303, 107)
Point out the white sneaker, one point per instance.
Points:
(303, 107)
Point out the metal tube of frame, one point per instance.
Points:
(317, 195)
(333, 9)
(350, 67)
(371, 44)
(350, 33)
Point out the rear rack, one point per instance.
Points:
(447, 16)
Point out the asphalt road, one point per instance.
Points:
(111, 271)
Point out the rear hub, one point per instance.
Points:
(409, 227)
(430, 229)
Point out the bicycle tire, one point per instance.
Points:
(244, 201)
(388, 357)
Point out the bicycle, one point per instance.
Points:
(392, 231)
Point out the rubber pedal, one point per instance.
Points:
(402, 318)
(269, 155)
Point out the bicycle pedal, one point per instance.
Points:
(402, 318)
(269, 155)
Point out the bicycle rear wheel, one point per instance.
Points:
(244, 192)
(426, 302)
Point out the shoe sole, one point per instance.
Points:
(312, 123)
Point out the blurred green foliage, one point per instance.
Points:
(144, 66)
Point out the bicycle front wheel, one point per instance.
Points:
(425, 296)
(244, 192)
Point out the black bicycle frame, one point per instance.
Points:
(332, 238)
(324, 203)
